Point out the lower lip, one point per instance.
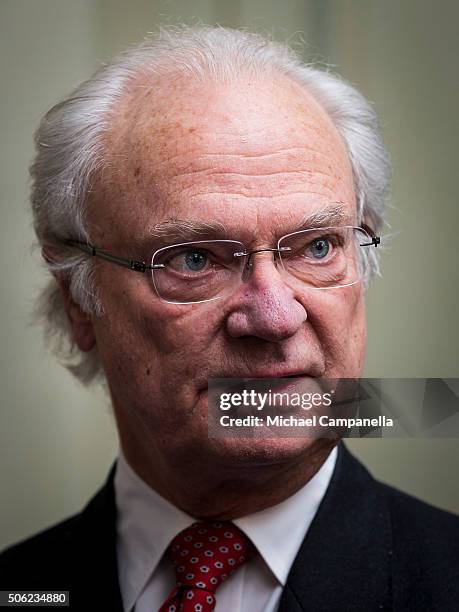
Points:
(280, 385)
(260, 383)
(283, 383)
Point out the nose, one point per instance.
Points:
(265, 306)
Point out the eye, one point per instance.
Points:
(195, 260)
(189, 261)
(320, 248)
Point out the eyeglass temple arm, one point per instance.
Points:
(375, 240)
(132, 264)
(141, 266)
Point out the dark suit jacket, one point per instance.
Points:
(370, 547)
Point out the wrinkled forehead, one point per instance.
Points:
(185, 149)
(161, 123)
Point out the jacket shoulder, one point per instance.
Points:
(413, 518)
(77, 555)
(26, 559)
(424, 553)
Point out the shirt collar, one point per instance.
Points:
(147, 523)
(278, 531)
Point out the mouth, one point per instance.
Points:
(278, 374)
(286, 384)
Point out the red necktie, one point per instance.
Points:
(204, 555)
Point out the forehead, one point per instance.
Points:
(252, 153)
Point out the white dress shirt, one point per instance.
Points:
(147, 523)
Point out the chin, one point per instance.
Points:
(265, 451)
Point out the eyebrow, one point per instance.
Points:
(333, 215)
(188, 230)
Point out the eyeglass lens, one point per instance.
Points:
(206, 270)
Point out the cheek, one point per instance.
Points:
(153, 347)
(339, 321)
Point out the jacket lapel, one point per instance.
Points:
(344, 561)
(95, 583)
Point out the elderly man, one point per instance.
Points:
(208, 207)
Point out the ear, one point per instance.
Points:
(80, 322)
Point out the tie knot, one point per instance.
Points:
(205, 555)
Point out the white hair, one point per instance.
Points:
(70, 151)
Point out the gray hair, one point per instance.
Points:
(70, 151)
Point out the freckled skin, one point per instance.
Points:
(256, 156)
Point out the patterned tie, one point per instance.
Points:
(204, 555)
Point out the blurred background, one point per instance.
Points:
(58, 439)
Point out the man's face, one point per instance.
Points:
(257, 157)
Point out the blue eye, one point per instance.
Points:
(195, 260)
(320, 248)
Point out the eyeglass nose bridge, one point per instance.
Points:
(248, 265)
